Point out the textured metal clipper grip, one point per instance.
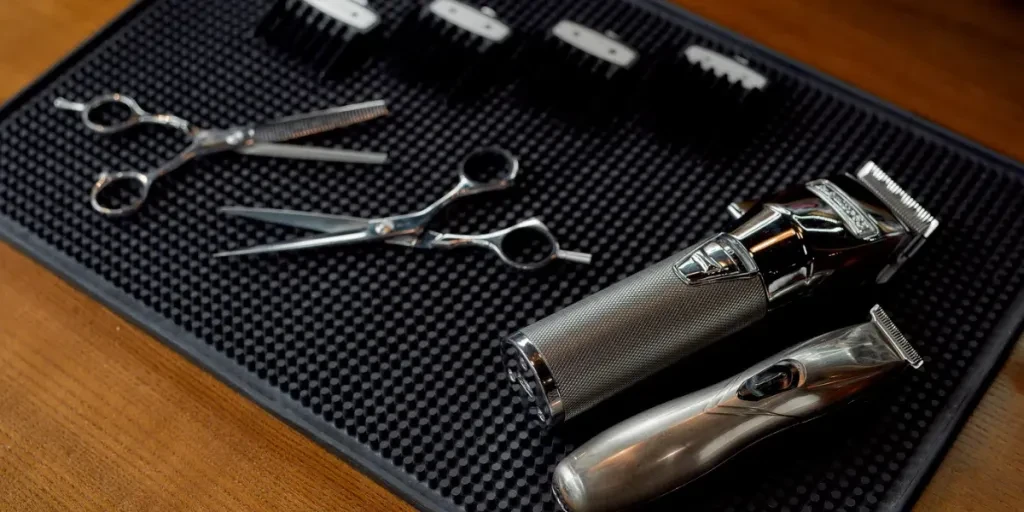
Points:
(846, 231)
(645, 323)
(668, 446)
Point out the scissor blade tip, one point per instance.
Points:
(228, 254)
(234, 210)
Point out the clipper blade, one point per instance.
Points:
(895, 338)
(907, 210)
(905, 207)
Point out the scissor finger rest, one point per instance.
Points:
(135, 112)
(530, 245)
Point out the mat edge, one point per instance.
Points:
(224, 369)
(120, 302)
(1010, 327)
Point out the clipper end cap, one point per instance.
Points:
(529, 371)
(895, 338)
(567, 486)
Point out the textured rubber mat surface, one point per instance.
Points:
(392, 356)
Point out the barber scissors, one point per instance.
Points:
(410, 230)
(250, 139)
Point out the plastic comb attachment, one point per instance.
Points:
(329, 34)
(705, 97)
(454, 43)
(580, 69)
(696, 74)
(476, 30)
(732, 75)
(593, 52)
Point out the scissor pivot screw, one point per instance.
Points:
(384, 228)
(236, 138)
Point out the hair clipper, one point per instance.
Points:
(825, 234)
(668, 446)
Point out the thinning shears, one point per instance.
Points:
(410, 229)
(250, 139)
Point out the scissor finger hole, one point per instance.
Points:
(527, 246)
(110, 114)
(490, 165)
(121, 194)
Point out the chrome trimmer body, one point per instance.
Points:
(670, 445)
(826, 234)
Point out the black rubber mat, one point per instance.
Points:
(391, 356)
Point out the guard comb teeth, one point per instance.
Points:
(455, 43)
(329, 34)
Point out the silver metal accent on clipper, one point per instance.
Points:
(854, 218)
(540, 385)
(722, 257)
(670, 445)
(826, 234)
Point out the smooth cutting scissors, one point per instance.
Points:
(250, 139)
(410, 229)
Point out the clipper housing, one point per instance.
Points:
(672, 444)
(826, 234)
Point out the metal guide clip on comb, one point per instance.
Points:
(327, 33)
(597, 52)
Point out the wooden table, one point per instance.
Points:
(95, 414)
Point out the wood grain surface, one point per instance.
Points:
(97, 415)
